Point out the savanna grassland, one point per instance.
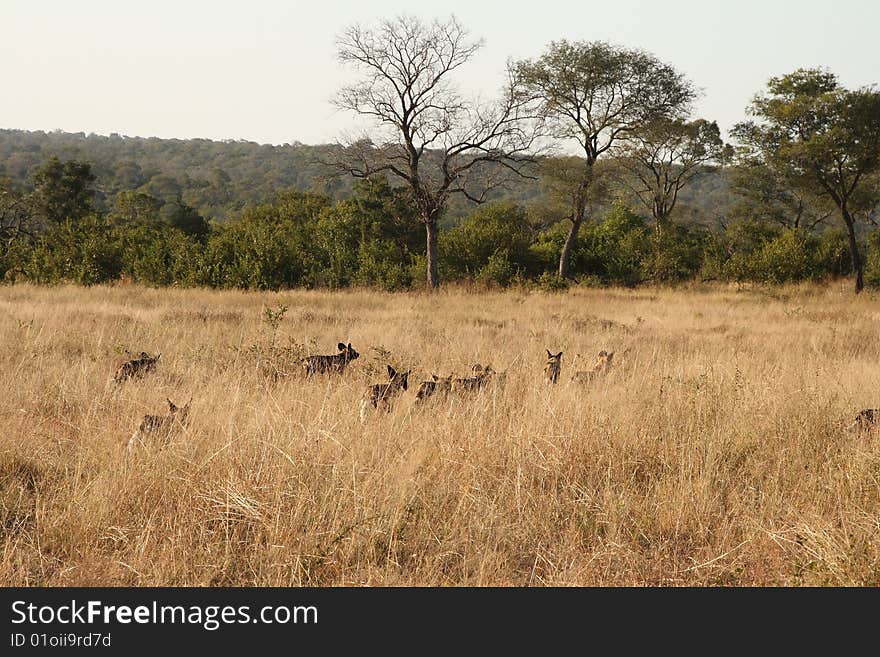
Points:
(713, 453)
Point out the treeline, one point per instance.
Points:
(589, 166)
(219, 179)
(372, 238)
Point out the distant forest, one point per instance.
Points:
(219, 179)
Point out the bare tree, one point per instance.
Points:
(425, 133)
(596, 94)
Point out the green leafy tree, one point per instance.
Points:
(818, 137)
(63, 191)
(597, 94)
(136, 207)
(665, 155)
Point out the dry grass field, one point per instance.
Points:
(713, 453)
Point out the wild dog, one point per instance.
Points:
(334, 364)
(553, 367)
(600, 368)
(865, 421)
(480, 377)
(435, 386)
(381, 395)
(159, 426)
(136, 367)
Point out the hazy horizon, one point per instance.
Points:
(266, 71)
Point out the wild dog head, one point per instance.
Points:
(347, 351)
(552, 367)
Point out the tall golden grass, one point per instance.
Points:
(712, 454)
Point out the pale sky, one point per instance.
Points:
(265, 70)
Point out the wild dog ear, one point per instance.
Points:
(349, 345)
(172, 407)
(435, 377)
(609, 355)
(549, 355)
(391, 371)
(558, 356)
(341, 346)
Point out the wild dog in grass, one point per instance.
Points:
(436, 385)
(136, 367)
(159, 426)
(381, 395)
(865, 422)
(600, 368)
(480, 377)
(334, 364)
(552, 367)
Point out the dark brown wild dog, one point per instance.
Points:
(334, 364)
(136, 367)
(865, 421)
(552, 367)
(600, 368)
(159, 426)
(381, 395)
(435, 386)
(480, 377)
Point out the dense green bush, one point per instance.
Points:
(374, 238)
(491, 244)
(272, 246)
(84, 251)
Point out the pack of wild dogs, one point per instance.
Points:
(380, 397)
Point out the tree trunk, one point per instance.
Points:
(567, 248)
(855, 256)
(433, 270)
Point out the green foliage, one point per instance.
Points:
(615, 249)
(498, 270)
(551, 281)
(271, 247)
(675, 254)
(63, 191)
(370, 239)
(492, 243)
(159, 254)
(83, 252)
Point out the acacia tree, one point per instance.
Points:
(425, 133)
(597, 94)
(819, 138)
(663, 156)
